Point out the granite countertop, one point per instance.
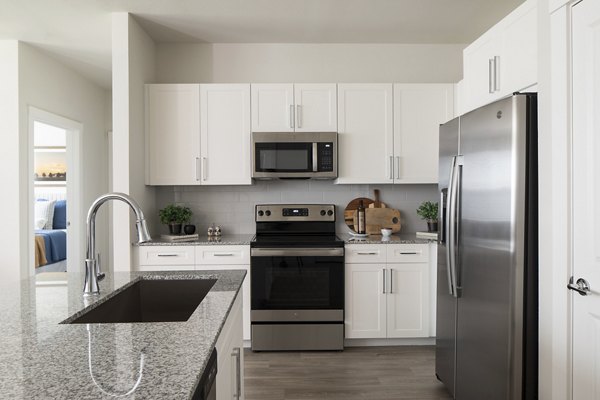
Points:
(407, 238)
(241, 239)
(43, 359)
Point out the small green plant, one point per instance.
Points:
(428, 210)
(173, 214)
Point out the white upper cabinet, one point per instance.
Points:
(172, 134)
(316, 107)
(272, 107)
(225, 134)
(503, 60)
(294, 107)
(419, 109)
(365, 127)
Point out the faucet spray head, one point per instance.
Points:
(142, 231)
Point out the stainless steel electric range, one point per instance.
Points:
(297, 279)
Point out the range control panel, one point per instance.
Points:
(295, 212)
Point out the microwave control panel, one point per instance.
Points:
(325, 156)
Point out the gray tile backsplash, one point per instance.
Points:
(232, 207)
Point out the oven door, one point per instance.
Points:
(297, 284)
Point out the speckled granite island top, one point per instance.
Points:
(405, 238)
(224, 240)
(43, 359)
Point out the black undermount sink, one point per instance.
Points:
(151, 300)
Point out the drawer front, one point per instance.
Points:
(407, 253)
(166, 255)
(166, 268)
(365, 253)
(222, 255)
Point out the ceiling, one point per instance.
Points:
(78, 32)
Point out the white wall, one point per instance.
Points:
(290, 62)
(133, 66)
(29, 77)
(13, 235)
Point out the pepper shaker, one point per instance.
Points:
(217, 230)
(211, 230)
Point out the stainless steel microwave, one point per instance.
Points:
(289, 155)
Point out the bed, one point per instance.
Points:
(50, 235)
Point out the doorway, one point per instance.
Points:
(54, 193)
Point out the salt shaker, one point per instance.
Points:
(211, 230)
(217, 231)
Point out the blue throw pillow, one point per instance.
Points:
(60, 215)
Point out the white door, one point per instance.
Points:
(366, 136)
(172, 134)
(586, 198)
(419, 109)
(225, 134)
(365, 311)
(273, 107)
(316, 107)
(408, 300)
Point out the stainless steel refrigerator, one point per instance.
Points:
(486, 345)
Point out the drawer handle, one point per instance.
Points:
(410, 252)
(167, 255)
(370, 253)
(223, 254)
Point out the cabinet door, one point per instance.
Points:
(225, 134)
(230, 371)
(408, 300)
(245, 292)
(518, 64)
(365, 140)
(365, 308)
(172, 134)
(316, 107)
(479, 70)
(419, 109)
(273, 107)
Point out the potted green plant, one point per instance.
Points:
(174, 216)
(428, 211)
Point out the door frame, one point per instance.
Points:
(74, 132)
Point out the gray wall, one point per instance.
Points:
(232, 207)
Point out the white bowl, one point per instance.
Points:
(386, 232)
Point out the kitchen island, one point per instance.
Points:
(40, 358)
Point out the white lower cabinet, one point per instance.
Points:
(230, 356)
(389, 299)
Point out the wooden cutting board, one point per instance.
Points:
(378, 218)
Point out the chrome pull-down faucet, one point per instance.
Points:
(92, 261)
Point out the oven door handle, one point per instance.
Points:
(298, 252)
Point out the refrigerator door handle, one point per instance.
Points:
(453, 224)
(448, 228)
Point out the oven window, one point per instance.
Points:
(289, 283)
(283, 157)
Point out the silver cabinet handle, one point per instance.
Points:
(223, 254)
(397, 167)
(384, 282)
(369, 253)
(581, 286)
(298, 116)
(391, 280)
(291, 115)
(496, 73)
(391, 167)
(491, 74)
(238, 372)
(409, 252)
(167, 255)
(204, 168)
(197, 168)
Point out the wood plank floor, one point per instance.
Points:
(374, 373)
